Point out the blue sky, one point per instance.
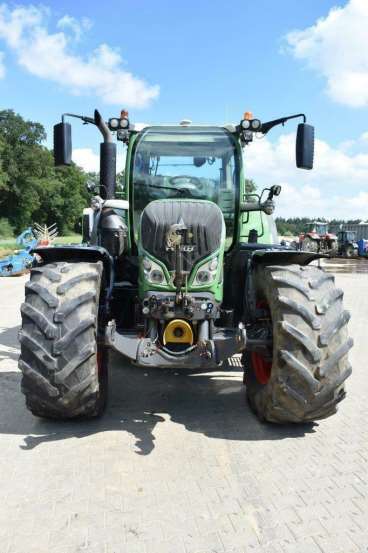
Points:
(208, 61)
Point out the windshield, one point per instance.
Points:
(319, 228)
(186, 163)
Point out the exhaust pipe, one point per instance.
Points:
(107, 160)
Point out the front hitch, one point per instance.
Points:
(206, 354)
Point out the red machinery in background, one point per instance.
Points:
(316, 238)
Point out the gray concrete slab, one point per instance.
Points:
(180, 465)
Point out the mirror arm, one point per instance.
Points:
(267, 207)
(96, 120)
(83, 117)
(270, 124)
(250, 206)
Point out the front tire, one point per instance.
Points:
(64, 367)
(350, 251)
(303, 379)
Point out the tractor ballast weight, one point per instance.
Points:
(183, 271)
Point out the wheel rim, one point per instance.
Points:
(261, 366)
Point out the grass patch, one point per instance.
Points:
(71, 239)
(8, 246)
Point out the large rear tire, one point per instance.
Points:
(310, 245)
(64, 367)
(303, 378)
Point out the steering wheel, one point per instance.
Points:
(194, 182)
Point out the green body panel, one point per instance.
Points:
(216, 286)
(262, 223)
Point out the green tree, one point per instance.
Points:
(250, 186)
(32, 190)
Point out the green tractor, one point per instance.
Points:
(182, 271)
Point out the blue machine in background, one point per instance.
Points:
(20, 261)
(363, 247)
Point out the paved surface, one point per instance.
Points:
(180, 465)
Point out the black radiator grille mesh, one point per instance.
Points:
(204, 221)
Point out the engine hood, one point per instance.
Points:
(204, 230)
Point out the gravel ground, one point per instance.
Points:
(179, 464)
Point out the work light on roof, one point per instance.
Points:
(114, 123)
(124, 123)
(255, 124)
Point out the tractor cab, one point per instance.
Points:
(347, 236)
(199, 164)
(317, 228)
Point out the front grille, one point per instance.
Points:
(203, 219)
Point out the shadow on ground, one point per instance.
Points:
(9, 345)
(212, 404)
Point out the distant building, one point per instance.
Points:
(361, 229)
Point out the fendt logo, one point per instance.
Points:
(177, 236)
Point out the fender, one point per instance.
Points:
(284, 256)
(243, 260)
(79, 253)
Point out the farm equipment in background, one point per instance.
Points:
(45, 235)
(363, 248)
(347, 243)
(317, 239)
(21, 261)
(182, 273)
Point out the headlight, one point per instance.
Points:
(206, 273)
(245, 124)
(124, 123)
(203, 277)
(153, 272)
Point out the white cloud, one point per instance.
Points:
(2, 66)
(77, 27)
(49, 56)
(336, 187)
(336, 47)
(89, 160)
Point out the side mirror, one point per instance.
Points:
(63, 144)
(305, 146)
(275, 190)
(91, 187)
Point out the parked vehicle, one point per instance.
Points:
(363, 248)
(182, 273)
(316, 238)
(347, 244)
